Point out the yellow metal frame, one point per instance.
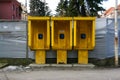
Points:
(93, 34)
(52, 32)
(29, 34)
(52, 29)
(37, 18)
(71, 24)
(48, 33)
(61, 18)
(93, 30)
(84, 18)
(74, 33)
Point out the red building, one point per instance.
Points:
(10, 9)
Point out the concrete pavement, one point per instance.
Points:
(83, 74)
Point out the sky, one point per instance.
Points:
(109, 3)
(53, 4)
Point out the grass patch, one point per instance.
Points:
(16, 61)
(108, 62)
(3, 65)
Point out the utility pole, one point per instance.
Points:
(116, 35)
(26, 3)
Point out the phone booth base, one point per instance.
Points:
(40, 57)
(82, 56)
(61, 57)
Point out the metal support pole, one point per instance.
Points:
(26, 3)
(26, 9)
(27, 51)
(116, 34)
(27, 55)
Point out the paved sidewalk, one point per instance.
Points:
(47, 74)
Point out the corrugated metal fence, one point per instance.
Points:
(13, 39)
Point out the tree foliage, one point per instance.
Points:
(94, 7)
(62, 7)
(79, 7)
(39, 8)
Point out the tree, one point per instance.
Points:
(73, 10)
(39, 8)
(94, 7)
(79, 7)
(62, 8)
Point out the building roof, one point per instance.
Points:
(111, 10)
(119, 7)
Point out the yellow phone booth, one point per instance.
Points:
(39, 37)
(84, 37)
(61, 37)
